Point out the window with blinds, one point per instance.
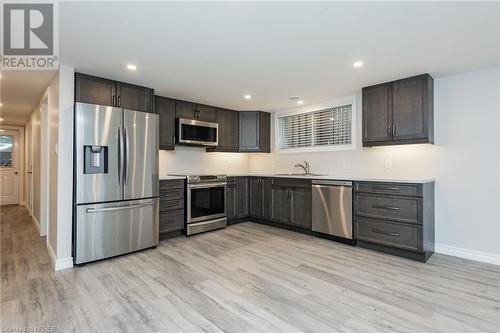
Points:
(328, 127)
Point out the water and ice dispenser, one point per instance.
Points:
(95, 159)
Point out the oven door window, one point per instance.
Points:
(199, 133)
(206, 202)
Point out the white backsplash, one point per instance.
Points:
(185, 160)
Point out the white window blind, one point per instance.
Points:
(328, 127)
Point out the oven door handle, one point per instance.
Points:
(191, 186)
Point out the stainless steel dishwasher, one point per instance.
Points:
(332, 208)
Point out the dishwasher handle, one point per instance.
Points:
(332, 183)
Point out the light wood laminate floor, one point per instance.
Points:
(246, 278)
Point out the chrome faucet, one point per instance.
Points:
(304, 166)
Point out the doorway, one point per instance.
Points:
(10, 153)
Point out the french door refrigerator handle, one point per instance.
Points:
(108, 209)
(127, 159)
(120, 154)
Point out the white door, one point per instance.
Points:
(9, 167)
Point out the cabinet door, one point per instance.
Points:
(377, 113)
(94, 90)
(301, 207)
(280, 205)
(134, 97)
(267, 198)
(228, 130)
(410, 108)
(205, 113)
(185, 110)
(241, 197)
(256, 197)
(165, 107)
(265, 132)
(231, 201)
(249, 131)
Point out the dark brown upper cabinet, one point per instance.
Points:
(188, 110)
(399, 112)
(228, 131)
(96, 90)
(134, 97)
(254, 131)
(165, 108)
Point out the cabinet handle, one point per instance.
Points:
(385, 233)
(384, 188)
(114, 100)
(385, 207)
(389, 131)
(119, 101)
(393, 130)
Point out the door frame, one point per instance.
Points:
(21, 157)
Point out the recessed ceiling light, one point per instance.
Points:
(131, 67)
(357, 64)
(1, 119)
(247, 96)
(1, 104)
(300, 101)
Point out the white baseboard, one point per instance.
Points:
(51, 252)
(63, 263)
(35, 221)
(59, 264)
(489, 258)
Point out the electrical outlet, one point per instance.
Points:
(388, 163)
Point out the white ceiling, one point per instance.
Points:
(215, 52)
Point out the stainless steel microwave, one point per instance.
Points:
(197, 132)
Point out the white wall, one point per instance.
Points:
(464, 161)
(54, 152)
(195, 160)
(51, 160)
(65, 167)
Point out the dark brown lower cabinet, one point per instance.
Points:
(291, 202)
(260, 197)
(237, 197)
(280, 204)
(172, 218)
(301, 207)
(395, 218)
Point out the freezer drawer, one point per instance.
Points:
(107, 230)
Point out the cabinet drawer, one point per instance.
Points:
(171, 221)
(289, 182)
(168, 205)
(171, 184)
(171, 194)
(389, 188)
(405, 236)
(402, 209)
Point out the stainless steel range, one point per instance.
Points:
(206, 203)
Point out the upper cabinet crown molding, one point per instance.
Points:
(95, 90)
(399, 112)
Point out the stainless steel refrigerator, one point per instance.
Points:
(116, 176)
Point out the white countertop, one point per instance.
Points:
(324, 177)
(171, 177)
(340, 177)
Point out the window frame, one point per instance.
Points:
(312, 108)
